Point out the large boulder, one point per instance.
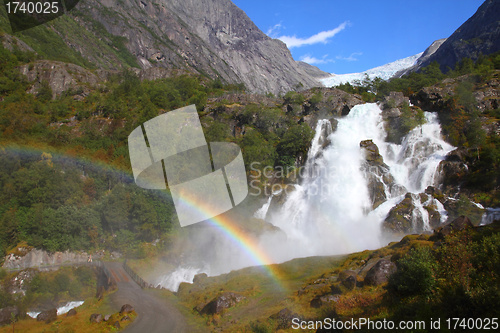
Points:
(348, 279)
(47, 316)
(224, 301)
(284, 318)
(71, 313)
(459, 224)
(96, 318)
(379, 274)
(319, 301)
(126, 309)
(6, 314)
(399, 220)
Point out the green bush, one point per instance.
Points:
(415, 275)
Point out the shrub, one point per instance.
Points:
(415, 274)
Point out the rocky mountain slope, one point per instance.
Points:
(480, 34)
(210, 37)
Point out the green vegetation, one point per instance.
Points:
(60, 286)
(57, 203)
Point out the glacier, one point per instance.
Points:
(384, 72)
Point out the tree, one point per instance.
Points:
(295, 141)
(44, 92)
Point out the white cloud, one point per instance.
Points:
(321, 37)
(352, 57)
(274, 30)
(313, 61)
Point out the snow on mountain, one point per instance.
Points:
(385, 72)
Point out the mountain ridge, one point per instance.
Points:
(213, 38)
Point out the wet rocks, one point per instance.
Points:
(380, 272)
(47, 316)
(380, 180)
(224, 301)
(414, 214)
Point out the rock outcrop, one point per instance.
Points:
(47, 316)
(35, 258)
(379, 274)
(224, 301)
(416, 213)
(380, 180)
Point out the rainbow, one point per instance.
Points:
(230, 229)
(238, 236)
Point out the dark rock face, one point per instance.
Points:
(458, 224)
(126, 308)
(6, 314)
(479, 34)
(423, 58)
(284, 318)
(224, 301)
(117, 324)
(71, 313)
(380, 180)
(96, 318)
(399, 220)
(47, 316)
(406, 217)
(126, 318)
(379, 274)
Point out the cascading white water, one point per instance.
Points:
(414, 162)
(330, 212)
(60, 310)
(174, 279)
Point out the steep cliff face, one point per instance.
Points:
(261, 63)
(210, 37)
(479, 34)
(423, 58)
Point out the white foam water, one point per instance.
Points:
(60, 310)
(181, 274)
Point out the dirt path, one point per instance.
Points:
(154, 313)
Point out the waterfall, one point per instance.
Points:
(330, 212)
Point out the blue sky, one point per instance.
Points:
(353, 36)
